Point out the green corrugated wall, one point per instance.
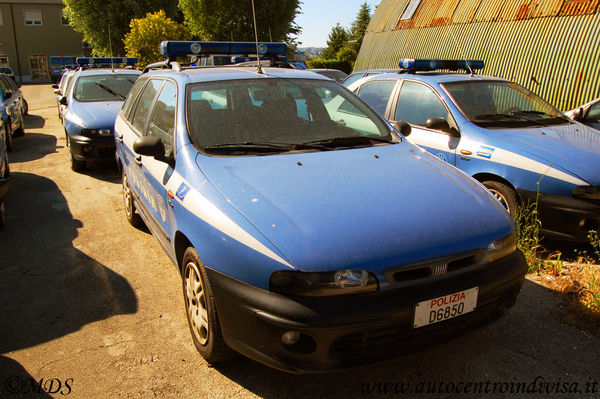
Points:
(556, 56)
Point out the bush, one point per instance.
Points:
(344, 66)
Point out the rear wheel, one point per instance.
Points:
(201, 310)
(504, 194)
(133, 217)
(21, 129)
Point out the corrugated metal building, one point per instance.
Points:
(551, 47)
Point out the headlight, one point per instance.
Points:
(341, 282)
(588, 192)
(96, 132)
(501, 248)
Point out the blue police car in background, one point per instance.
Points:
(92, 104)
(516, 144)
(306, 240)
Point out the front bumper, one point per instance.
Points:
(86, 148)
(349, 331)
(563, 217)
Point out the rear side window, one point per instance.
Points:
(143, 105)
(162, 120)
(131, 97)
(377, 94)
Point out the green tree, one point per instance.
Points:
(233, 20)
(143, 40)
(336, 40)
(359, 26)
(94, 18)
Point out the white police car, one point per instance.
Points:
(306, 241)
(92, 103)
(500, 133)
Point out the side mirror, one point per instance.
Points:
(578, 114)
(150, 146)
(402, 127)
(55, 86)
(57, 92)
(442, 125)
(62, 100)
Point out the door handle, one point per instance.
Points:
(138, 160)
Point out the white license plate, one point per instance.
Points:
(445, 307)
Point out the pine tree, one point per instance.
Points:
(338, 37)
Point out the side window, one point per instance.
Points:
(143, 105)
(377, 94)
(131, 97)
(417, 103)
(593, 114)
(162, 120)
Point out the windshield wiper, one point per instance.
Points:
(540, 113)
(111, 91)
(251, 147)
(350, 141)
(495, 116)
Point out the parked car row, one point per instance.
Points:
(301, 215)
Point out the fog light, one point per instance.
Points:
(87, 148)
(290, 337)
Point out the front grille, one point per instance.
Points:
(433, 268)
(386, 343)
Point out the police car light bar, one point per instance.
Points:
(431, 65)
(84, 61)
(175, 48)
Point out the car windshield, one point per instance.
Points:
(107, 87)
(500, 104)
(240, 117)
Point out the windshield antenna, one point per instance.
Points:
(110, 49)
(259, 69)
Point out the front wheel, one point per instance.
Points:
(201, 310)
(504, 194)
(8, 137)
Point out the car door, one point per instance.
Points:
(416, 103)
(156, 174)
(12, 102)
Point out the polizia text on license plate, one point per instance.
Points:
(445, 307)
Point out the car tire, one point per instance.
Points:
(25, 107)
(21, 129)
(201, 310)
(8, 137)
(132, 216)
(504, 194)
(76, 165)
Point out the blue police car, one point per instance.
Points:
(516, 144)
(92, 103)
(306, 240)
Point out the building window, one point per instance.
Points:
(33, 17)
(409, 12)
(64, 19)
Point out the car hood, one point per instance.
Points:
(96, 115)
(573, 147)
(369, 208)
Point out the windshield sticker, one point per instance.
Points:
(182, 191)
(485, 152)
(441, 156)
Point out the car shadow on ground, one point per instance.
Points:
(34, 122)
(48, 288)
(525, 344)
(32, 146)
(16, 382)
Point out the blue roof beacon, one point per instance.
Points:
(301, 221)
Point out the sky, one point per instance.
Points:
(319, 16)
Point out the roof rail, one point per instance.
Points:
(174, 65)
